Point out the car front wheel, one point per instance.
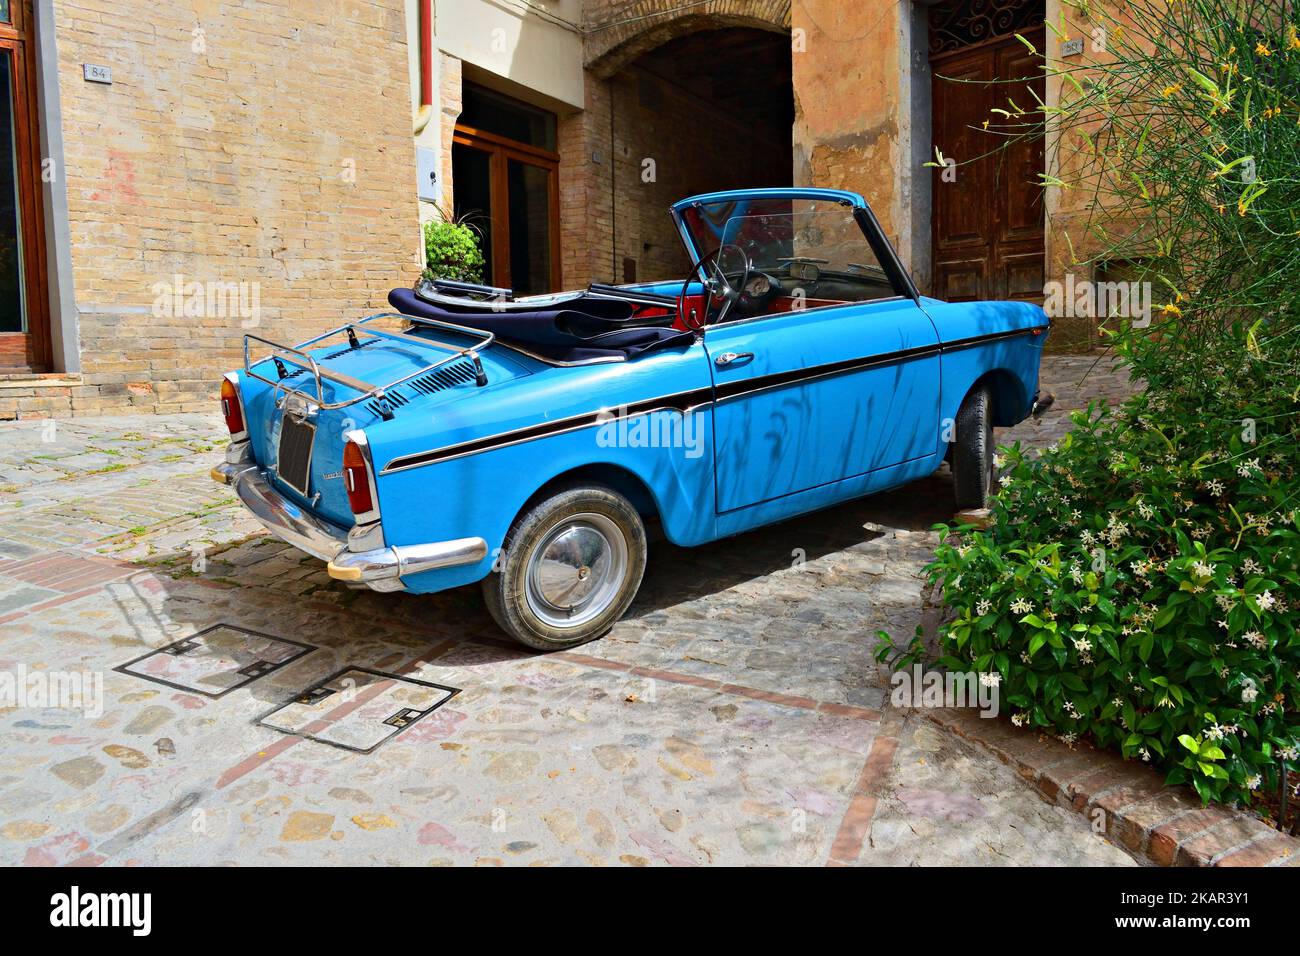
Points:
(972, 451)
(571, 565)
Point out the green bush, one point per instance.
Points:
(452, 251)
(1140, 584)
(1139, 588)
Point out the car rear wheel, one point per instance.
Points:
(571, 565)
(972, 451)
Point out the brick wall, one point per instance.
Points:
(451, 96)
(619, 30)
(694, 146)
(267, 144)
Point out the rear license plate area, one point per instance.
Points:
(294, 459)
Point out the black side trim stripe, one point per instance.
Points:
(696, 398)
(761, 383)
(681, 402)
(973, 340)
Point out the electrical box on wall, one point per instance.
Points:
(426, 173)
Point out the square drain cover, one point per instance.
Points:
(357, 709)
(216, 660)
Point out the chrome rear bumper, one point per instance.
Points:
(348, 560)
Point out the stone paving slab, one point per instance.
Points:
(735, 715)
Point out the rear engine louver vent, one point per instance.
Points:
(350, 348)
(449, 376)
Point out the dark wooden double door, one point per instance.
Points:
(987, 226)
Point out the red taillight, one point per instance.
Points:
(356, 478)
(230, 407)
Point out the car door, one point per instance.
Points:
(808, 398)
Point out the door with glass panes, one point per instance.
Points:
(505, 178)
(24, 313)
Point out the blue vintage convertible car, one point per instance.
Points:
(527, 443)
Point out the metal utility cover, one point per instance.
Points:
(216, 660)
(357, 708)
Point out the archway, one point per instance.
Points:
(698, 103)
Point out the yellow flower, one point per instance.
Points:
(1171, 90)
(1292, 37)
(986, 124)
(1171, 310)
(1262, 49)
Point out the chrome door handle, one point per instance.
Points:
(726, 358)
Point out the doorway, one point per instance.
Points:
(505, 178)
(24, 311)
(987, 223)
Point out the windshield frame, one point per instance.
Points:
(880, 245)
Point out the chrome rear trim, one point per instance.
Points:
(286, 520)
(379, 568)
(406, 559)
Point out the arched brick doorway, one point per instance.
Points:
(677, 103)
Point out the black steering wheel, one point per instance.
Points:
(722, 292)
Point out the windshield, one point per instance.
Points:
(816, 243)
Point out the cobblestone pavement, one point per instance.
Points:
(736, 715)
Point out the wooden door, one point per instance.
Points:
(24, 309)
(987, 225)
(510, 192)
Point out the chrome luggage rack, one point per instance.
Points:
(294, 354)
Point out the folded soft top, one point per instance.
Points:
(573, 327)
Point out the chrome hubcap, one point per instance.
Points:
(576, 571)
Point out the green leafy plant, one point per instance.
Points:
(452, 250)
(1141, 597)
(1140, 582)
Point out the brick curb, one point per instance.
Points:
(1159, 825)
